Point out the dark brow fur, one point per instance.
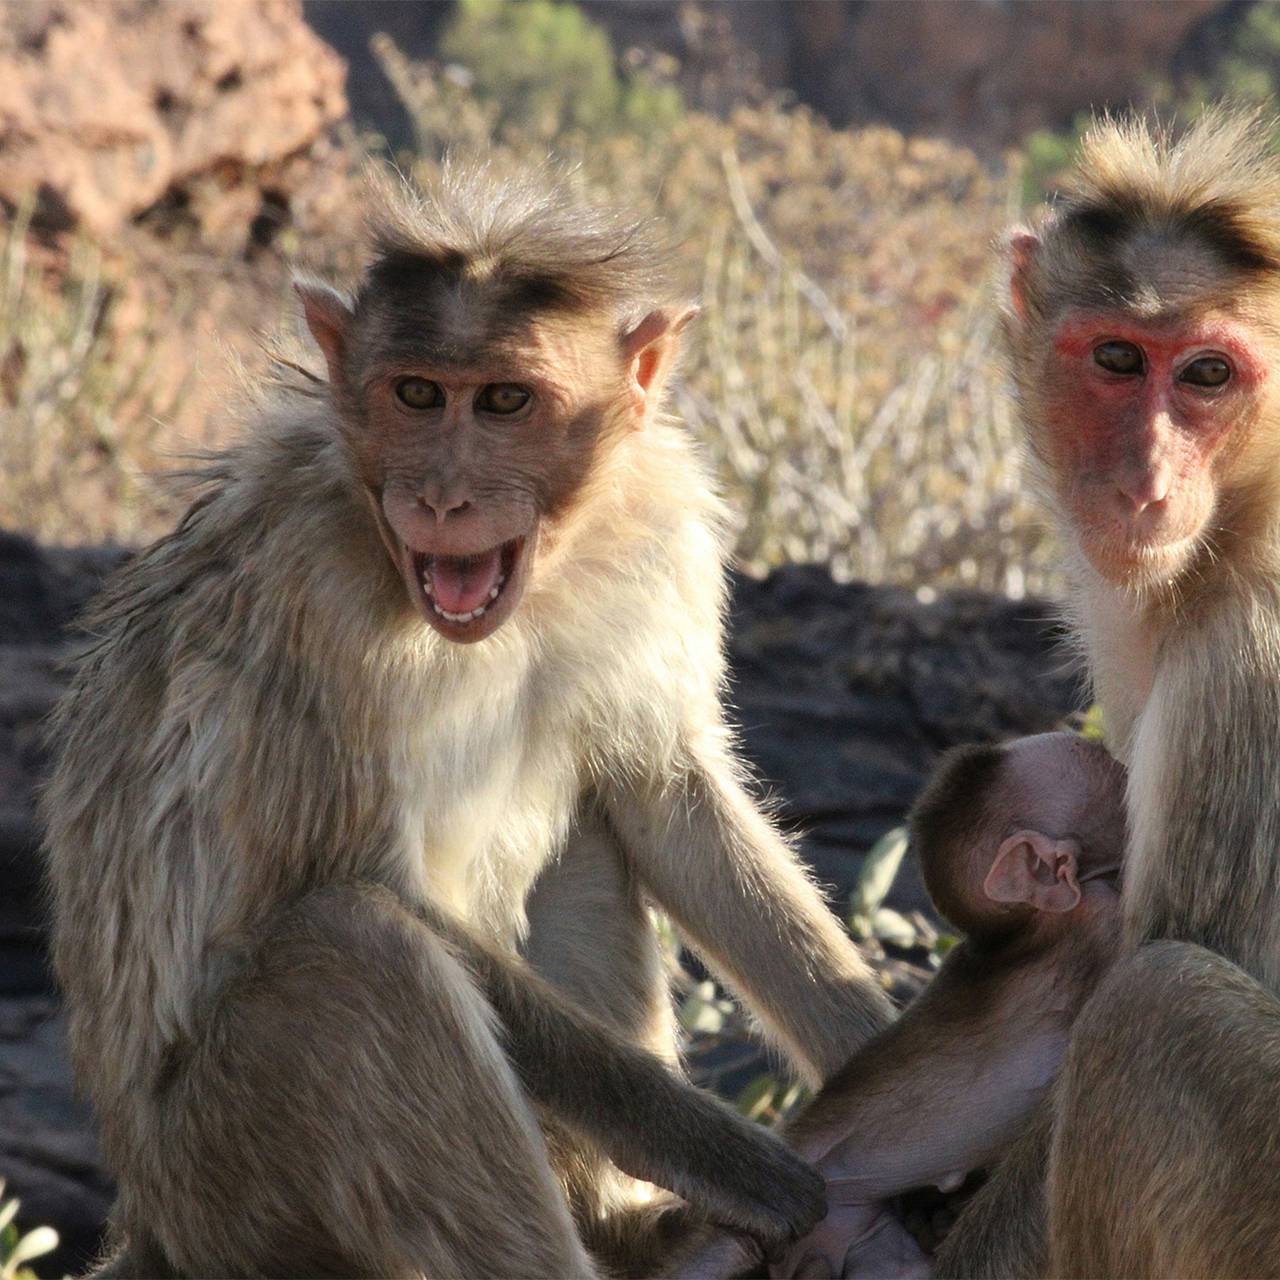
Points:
(1217, 185)
(529, 240)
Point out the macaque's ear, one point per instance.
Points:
(1021, 248)
(328, 316)
(1033, 868)
(650, 350)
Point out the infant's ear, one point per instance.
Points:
(1035, 869)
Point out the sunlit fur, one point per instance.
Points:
(1162, 1154)
(272, 776)
(285, 709)
(1138, 204)
(942, 1091)
(1159, 229)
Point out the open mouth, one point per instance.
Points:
(466, 596)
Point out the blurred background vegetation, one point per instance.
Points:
(843, 376)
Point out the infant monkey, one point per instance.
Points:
(1020, 846)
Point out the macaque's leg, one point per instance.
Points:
(859, 1241)
(1166, 1146)
(591, 934)
(885, 1250)
(349, 1110)
(1002, 1233)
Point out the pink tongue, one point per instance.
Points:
(460, 584)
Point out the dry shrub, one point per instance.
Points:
(842, 378)
(81, 408)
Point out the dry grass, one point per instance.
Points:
(75, 408)
(842, 377)
(863, 421)
(891, 460)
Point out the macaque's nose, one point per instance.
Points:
(444, 505)
(1142, 489)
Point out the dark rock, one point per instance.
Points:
(48, 1156)
(845, 696)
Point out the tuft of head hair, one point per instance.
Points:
(527, 235)
(1219, 181)
(1214, 186)
(950, 816)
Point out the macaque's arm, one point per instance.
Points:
(732, 885)
(1003, 1232)
(902, 1113)
(651, 1123)
(939, 1093)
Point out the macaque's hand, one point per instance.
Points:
(861, 1241)
(749, 1181)
(721, 1255)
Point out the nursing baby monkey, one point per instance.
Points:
(371, 770)
(1020, 847)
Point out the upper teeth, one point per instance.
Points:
(461, 617)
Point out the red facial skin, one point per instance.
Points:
(1138, 455)
(454, 480)
(441, 514)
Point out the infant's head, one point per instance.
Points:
(1009, 834)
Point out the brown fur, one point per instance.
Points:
(299, 838)
(1179, 1055)
(1164, 1149)
(950, 1084)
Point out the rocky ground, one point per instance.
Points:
(845, 695)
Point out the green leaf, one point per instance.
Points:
(1093, 727)
(699, 1015)
(892, 927)
(35, 1244)
(879, 870)
(757, 1097)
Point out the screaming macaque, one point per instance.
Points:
(1142, 331)
(373, 766)
(1020, 847)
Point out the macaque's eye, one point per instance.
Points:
(1207, 371)
(502, 398)
(419, 393)
(1118, 357)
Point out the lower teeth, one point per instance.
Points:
(462, 617)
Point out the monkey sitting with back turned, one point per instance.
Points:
(1020, 846)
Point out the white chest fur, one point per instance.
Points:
(484, 765)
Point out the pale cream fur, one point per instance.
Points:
(260, 716)
(469, 760)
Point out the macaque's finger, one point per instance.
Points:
(815, 1266)
(725, 1256)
